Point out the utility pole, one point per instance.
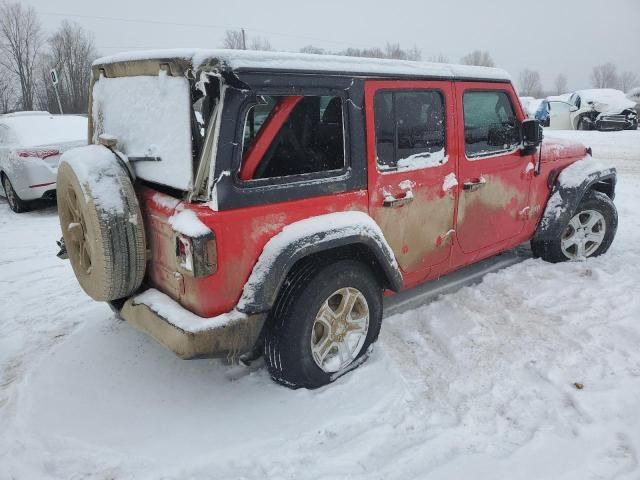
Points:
(244, 40)
(54, 79)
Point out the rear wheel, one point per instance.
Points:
(15, 202)
(323, 323)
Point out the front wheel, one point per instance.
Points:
(15, 202)
(585, 124)
(323, 323)
(589, 232)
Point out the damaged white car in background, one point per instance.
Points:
(594, 109)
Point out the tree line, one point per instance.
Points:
(602, 76)
(28, 53)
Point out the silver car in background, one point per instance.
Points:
(31, 144)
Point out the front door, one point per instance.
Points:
(560, 116)
(412, 168)
(493, 173)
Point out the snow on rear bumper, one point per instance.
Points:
(187, 334)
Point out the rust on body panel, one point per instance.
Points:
(415, 231)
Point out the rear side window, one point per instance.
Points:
(292, 135)
(489, 123)
(410, 129)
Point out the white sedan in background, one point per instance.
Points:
(31, 144)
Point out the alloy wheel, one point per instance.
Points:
(340, 329)
(584, 234)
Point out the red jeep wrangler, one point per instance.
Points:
(254, 203)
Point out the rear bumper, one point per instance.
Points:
(33, 178)
(188, 335)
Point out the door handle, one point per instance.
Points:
(473, 185)
(391, 201)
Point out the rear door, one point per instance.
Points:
(494, 175)
(412, 154)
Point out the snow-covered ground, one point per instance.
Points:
(480, 383)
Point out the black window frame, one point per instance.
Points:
(395, 168)
(464, 136)
(231, 192)
(297, 178)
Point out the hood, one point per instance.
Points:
(557, 149)
(606, 100)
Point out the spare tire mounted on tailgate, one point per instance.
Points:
(101, 223)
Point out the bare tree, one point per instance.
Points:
(440, 58)
(629, 80)
(414, 54)
(20, 42)
(72, 51)
(560, 84)
(233, 40)
(478, 57)
(260, 43)
(312, 49)
(604, 76)
(6, 91)
(393, 50)
(530, 84)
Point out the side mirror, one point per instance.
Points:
(531, 133)
(573, 108)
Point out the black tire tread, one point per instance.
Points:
(551, 250)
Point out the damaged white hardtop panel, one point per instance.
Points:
(285, 61)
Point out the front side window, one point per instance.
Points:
(410, 129)
(292, 135)
(490, 125)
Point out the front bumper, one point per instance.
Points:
(613, 122)
(188, 335)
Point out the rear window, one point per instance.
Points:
(158, 119)
(292, 135)
(43, 130)
(410, 129)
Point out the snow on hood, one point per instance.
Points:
(606, 100)
(243, 59)
(557, 148)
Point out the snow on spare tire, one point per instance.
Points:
(101, 223)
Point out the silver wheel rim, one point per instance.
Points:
(584, 234)
(340, 329)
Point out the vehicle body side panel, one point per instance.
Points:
(418, 232)
(240, 234)
(491, 214)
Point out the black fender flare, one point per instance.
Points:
(565, 199)
(293, 244)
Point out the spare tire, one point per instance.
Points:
(101, 223)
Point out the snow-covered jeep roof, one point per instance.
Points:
(242, 60)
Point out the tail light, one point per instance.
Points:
(38, 153)
(196, 256)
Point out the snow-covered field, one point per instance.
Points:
(480, 383)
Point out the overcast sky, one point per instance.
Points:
(551, 36)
